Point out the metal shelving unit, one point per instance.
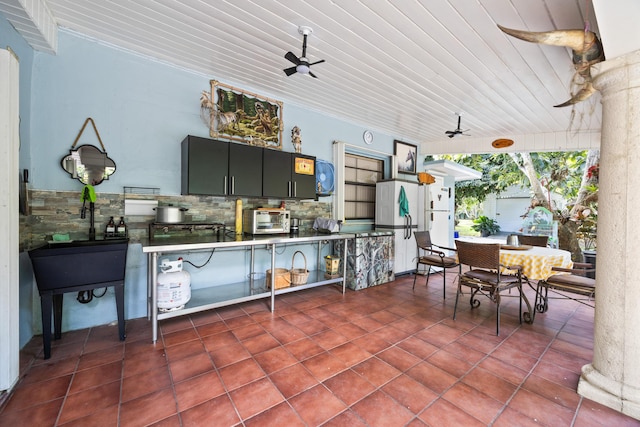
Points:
(217, 296)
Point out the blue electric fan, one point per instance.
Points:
(324, 178)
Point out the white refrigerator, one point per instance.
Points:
(388, 216)
(438, 201)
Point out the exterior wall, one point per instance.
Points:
(508, 207)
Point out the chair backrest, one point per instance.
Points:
(480, 255)
(527, 239)
(423, 239)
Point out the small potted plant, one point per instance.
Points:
(485, 226)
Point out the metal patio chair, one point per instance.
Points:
(575, 286)
(527, 239)
(484, 277)
(432, 256)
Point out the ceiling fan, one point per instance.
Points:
(302, 64)
(458, 130)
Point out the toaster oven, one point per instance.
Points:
(266, 221)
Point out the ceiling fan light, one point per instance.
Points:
(302, 69)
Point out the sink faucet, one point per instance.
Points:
(89, 195)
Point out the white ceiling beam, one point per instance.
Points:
(618, 24)
(34, 21)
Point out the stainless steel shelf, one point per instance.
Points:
(223, 295)
(316, 278)
(235, 293)
(219, 296)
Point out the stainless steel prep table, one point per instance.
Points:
(232, 293)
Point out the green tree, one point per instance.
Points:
(544, 173)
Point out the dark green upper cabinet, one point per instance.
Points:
(304, 181)
(219, 168)
(204, 166)
(276, 175)
(245, 170)
(281, 180)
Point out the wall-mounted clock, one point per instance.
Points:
(367, 136)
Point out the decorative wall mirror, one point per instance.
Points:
(88, 164)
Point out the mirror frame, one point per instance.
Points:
(92, 168)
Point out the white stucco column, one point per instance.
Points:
(613, 377)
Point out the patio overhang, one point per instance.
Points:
(448, 168)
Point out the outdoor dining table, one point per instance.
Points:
(536, 262)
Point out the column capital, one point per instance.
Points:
(617, 74)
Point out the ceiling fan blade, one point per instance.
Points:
(312, 75)
(289, 71)
(451, 134)
(292, 58)
(317, 62)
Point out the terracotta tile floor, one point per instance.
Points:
(385, 356)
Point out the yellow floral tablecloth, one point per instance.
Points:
(537, 262)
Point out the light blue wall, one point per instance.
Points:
(143, 109)
(9, 38)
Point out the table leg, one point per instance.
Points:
(149, 274)
(119, 291)
(252, 269)
(528, 317)
(57, 316)
(319, 259)
(154, 296)
(45, 308)
(344, 266)
(273, 277)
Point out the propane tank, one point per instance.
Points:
(174, 286)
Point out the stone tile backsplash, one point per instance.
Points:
(58, 212)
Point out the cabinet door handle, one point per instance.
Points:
(233, 185)
(289, 188)
(225, 185)
(295, 188)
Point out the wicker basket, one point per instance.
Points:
(299, 275)
(282, 278)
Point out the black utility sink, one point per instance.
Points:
(80, 262)
(83, 243)
(74, 266)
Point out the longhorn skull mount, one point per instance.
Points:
(587, 51)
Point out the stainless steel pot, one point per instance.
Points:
(512, 240)
(170, 214)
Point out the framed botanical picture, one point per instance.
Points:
(243, 116)
(406, 157)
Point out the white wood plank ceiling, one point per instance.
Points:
(401, 67)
